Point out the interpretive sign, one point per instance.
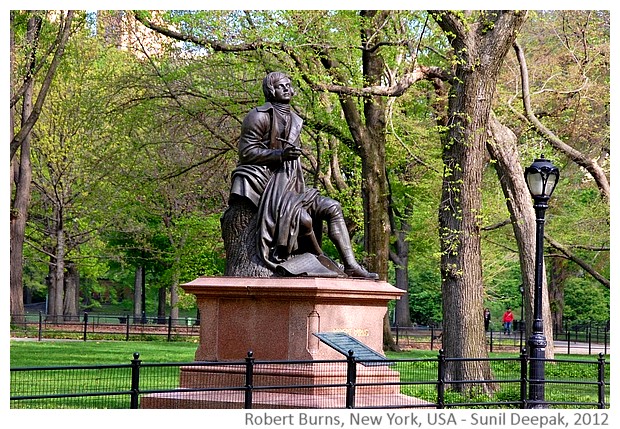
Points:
(342, 343)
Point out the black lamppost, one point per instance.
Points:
(541, 178)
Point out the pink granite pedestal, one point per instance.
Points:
(276, 318)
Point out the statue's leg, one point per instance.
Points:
(339, 235)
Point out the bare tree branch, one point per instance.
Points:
(579, 158)
(400, 87)
(583, 264)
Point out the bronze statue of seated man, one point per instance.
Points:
(273, 223)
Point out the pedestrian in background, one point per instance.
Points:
(487, 319)
(507, 320)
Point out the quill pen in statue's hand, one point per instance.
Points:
(288, 142)
(290, 151)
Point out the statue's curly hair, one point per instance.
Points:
(269, 81)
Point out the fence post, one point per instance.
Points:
(589, 328)
(491, 341)
(135, 381)
(169, 328)
(601, 380)
(249, 380)
(396, 326)
(441, 379)
(351, 380)
(127, 328)
(85, 324)
(40, 324)
(523, 382)
(432, 336)
(568, 342)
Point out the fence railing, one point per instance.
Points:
(99, 326)
(576, 338)
(582, 384)
(579, 338)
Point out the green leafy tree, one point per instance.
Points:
(31, 44)
(73, 161)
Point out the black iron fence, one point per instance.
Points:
(98, 326)
(575, 338)
(350, 383)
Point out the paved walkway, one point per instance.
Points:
(580, 348)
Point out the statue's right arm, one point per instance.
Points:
(254, 141)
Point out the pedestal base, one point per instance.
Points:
(276, 318)
(275, 400)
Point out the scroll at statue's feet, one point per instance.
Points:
(357, 271)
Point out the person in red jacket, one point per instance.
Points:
(507, 320)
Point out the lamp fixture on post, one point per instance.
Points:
(541, 178)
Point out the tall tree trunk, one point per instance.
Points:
(21, 179)
(21, 140)
(558, 274)
(503, 149)
(52, 286)
(372, 152)
(480, 41)
(372, 144)
(400, 258)
(72, 291)
(369, 137)
(161, 303)
(137, 293)
(57, 297)
(19, 216)
(174, 292)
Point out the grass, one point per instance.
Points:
(565, 368)
(65, 353)
(80, 353)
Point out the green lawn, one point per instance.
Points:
(54, 353)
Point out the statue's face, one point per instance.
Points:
(283, 91)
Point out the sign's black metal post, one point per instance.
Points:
(351, 377)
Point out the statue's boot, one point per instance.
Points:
(338, 233)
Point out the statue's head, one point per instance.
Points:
(270, 83)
